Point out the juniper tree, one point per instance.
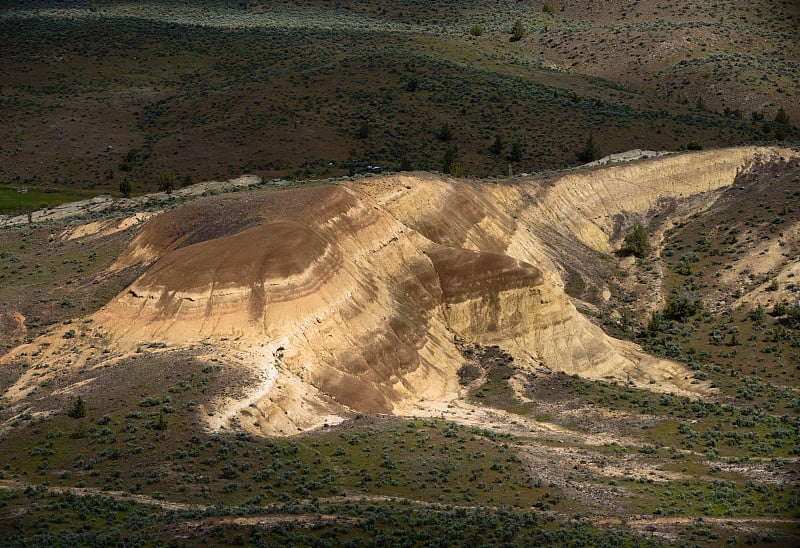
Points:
(636, 242)
(78, 408)
(518, 31)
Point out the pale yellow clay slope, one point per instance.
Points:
(98, 229)
(345, 299)
(585, 202)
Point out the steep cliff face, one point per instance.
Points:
(350, 298)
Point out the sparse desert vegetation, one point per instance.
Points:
(345, 350)
(119, 440)
(219, 89)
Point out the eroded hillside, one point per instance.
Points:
(452, 338)
(333, 300)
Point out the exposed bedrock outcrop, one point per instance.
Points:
(350, 298)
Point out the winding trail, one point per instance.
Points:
(271, 518)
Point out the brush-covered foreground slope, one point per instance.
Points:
(342, 299)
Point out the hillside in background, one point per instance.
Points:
(98, 91)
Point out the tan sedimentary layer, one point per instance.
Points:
(349, 298)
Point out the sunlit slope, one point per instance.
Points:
(353, 298)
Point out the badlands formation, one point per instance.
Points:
(357, 297)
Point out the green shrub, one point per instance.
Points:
(793, 316)
(590, 151)
(516, 153)
(517, 31)
(636, 242)
(125, 187)
(78, 408)
(445, 132)
(363, 130)
(453, 166)
(756, 314)
(167, 181)
(149, 401)
(161, 422)
(498, 145)
(655, 324)
(682, 305)
(773, 286)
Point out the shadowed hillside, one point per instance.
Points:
(311, 89)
